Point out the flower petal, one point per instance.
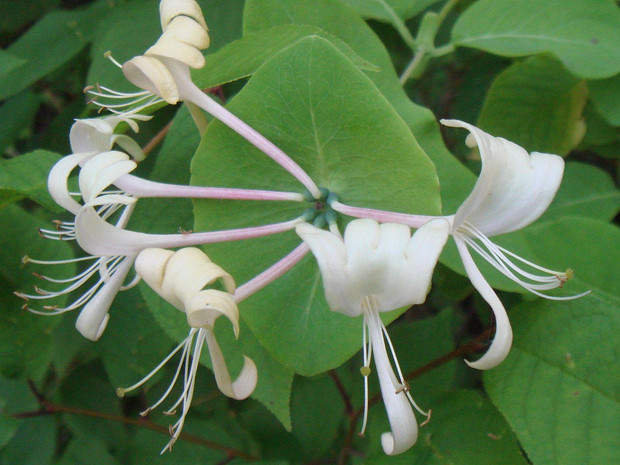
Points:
(331, 255)
(513, 189)
(91, 134)
(57, 181)
(169, 47)
(101, 171)
(403, 425)
(93, 318)
(407, 279)
(171, 9)
(151, 74)
(245, 383)
(503, 332)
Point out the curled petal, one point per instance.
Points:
(180, 276)
(128, 145)
(151, 74)
(245, 383)
(93, 318)
(503, 333)
(204, 307)
(151, 266)
(171, 9)
(514, 188)
(169, 47)
(101, 171)
(58, 179)
(403, 425)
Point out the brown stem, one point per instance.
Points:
(48, 408)
(348, 407)
(156, 140)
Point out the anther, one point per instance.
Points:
(428, 418)
(365, 371)
(120, 392)
(403, 388)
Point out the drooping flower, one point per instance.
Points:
(163, 72)
(185, 34)
(378, 268)
(513, 190)
(182, 279)
(98, 172)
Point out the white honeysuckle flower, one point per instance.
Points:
(181, 278)
(513, 190)
(378, 268)
(185, 34)
(97, 174)
(96, 135)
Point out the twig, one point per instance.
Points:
(48, 408)
(156, 140)
(348, 407)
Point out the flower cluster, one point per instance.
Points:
(378, 265)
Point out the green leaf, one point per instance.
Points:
(17, 115)
(536, 104)
(563, 407)
(25, 342)
(9, 62)
(82, 449)
(385, 10)
(26, 176)
(133, 343)
(343, 22)
(242, 58)
(317, 414)
(586, 191)
(583, 34)
(8, 426)
(332, 135)
(50, 43)
(605, 94)
(88, 390)
(34, 443)
(146, 445)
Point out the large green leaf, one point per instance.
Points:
(243, 57)
(343, 22)
(584, 34)
(536, 104)
(558, 387)
(586, 191)
(319, 108)
(26, 176)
